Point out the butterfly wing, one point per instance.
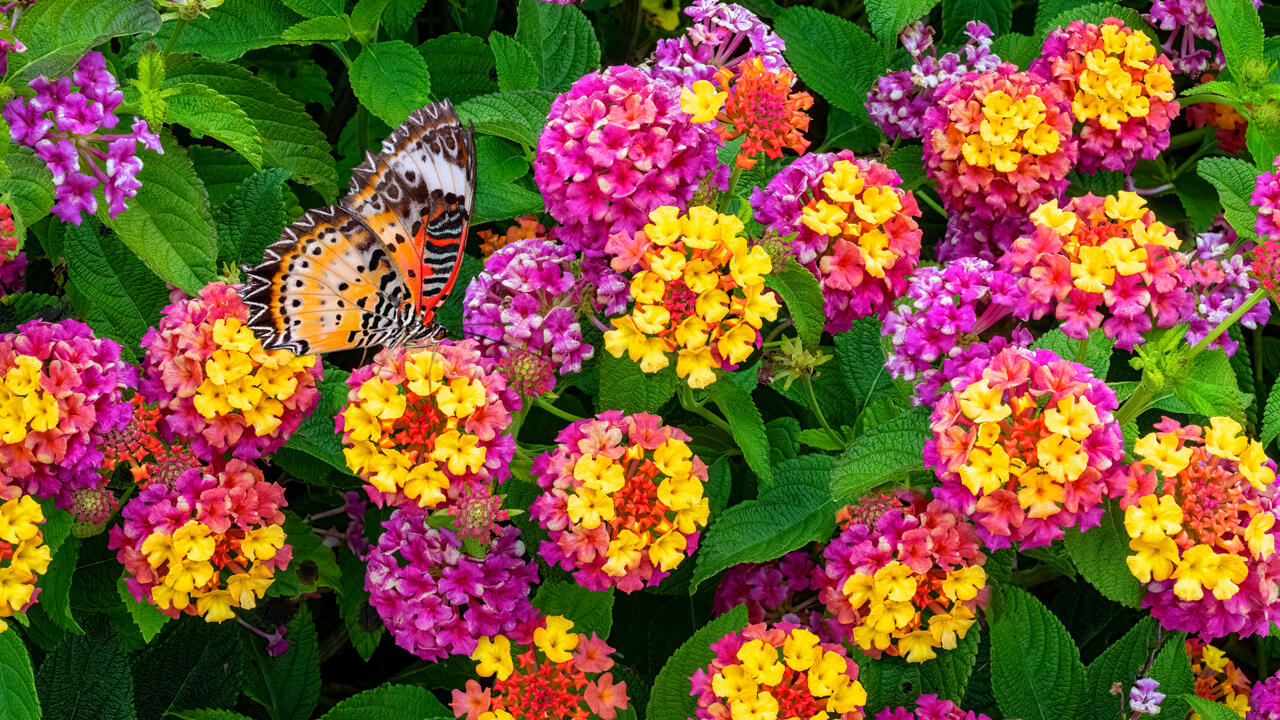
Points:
(416, 195)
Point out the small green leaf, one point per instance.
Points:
(517, 115)
(624, 386)
(818, 41)
(1210, 710)
(885, 452)
(149, 81)
(460, 66)
(235, 28)
(1119, 663)
(1240, 31)
(746, 424)
(802, 295)
(363, 624)
(1017, 49)
(1099, 11)
(891, 681)
(288, 686)
(26, 185)
(55, 586)
(1172, 669)
(391, 79)
(1099, 554)
(590, 610)
(1036, 673)
(57, 33)
(252, 218)
(366, 16)
(390, 702)
(1235, 180)
(908, 162)
(1097, 355)
(516, 70)
(670, 699)
(147, 617)
(400, 15)
(316, 8)
(1208, 387)
(326, 28)
(18, 699)
(206, 111)
(889, 17)
(86, 677)
(1271, 416)
(561, 41)
(209, 715)
(862, 358)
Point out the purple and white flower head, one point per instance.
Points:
(1190, 21)
(1221, 282)
(1144, 696)
(723, 35)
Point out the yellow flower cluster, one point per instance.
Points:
(22, 545)
(24, 406)
(746, 685)
(187, 556)
(1010, 129)
(1096, 262)
(1119, 79)
(856, 211)
(893, 616)
(699, 293)
(241, 376)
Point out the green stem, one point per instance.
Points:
(1139, 401)
(723, 205)
(562, 414)
(1083, 351)
(928, 200)
(1223, 326)
(1188, 138)
(517, 420)
(685, 393)
(173, 39)
(813, 405)
(1219, 99)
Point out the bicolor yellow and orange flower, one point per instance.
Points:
(24, 556)
(699, 294)
(754, 103)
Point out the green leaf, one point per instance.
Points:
(670, 699)
(365, 18)
(500, 161)
(862, 358)
(817, 438)
(26, 185)
(888, 17)
(518, 115)
(189, 665)
(149, 82)
(86, 677)
(516, 70)
(291, 138)
(797, 510)
(503, 201)
(997, 14)
(624, 386)
(289, 686)
(560, 40)
(205, 111)
(316, 8)
(948, 675)
(460, 66)
(802, 295)
(1210, 710)
(313, 565)
(222, 171)
(746, 424)
(252, 218)
(400, 15)
(168, 224)
(1235, 180)
(818, 41)
(1198, 199)
(391, 79)
(1240, 31)
(1097, 356)
(908, 162)
(55, 586)
(18, 700)
(110, 287)
(57, 33)
(389, 702)
(326, 28)
(1036, 673)
(590, 610)
(147, 617)
(1172, 669)
(209, 715)
(1271, 416)
(887, 451)
(363, 624)
(1097, 12)
(1208, 386)
(891, 681)
(235, 28)
(1119, 663)
(1099, 554)
(1017, 49)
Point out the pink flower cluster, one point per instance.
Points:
(929, 707)
(617, 146)
(60, 393)
(1221, 283)
(1264, 700)
(13, 262)
(1266, 200)
(436, 599)
(781, 590)
(722, 36)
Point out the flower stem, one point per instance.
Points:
(1223, 326)
(1083, 351)
(928, 200)
(685, 393)
(173, 39)
(542, 403)
(723, 205)
(1139, 401)
(817, 410)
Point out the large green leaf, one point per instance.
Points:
(1036, 673)
(624, 386)
(1172, 669)
(55, 586)
(997, 14)
(189, 666)
(885, 452)
(1099, 555)
(590, 610)
(205, 111)
(892, 681)
(1235, 180)
(168, 224)
(517, 115)
(746, 424)
(18, 700)
(288, 686)
(798, 509)
(326, 28)
(1271, 416)
(817, 41)
(460, 66)
(147, 617)
(1097, 12)
(390, 702)
(364, 626)
(670, 699)
(391, 79)
(1240, 31)
(26, 186)
(802, 296)
(860, 350)
(235, 28)
(316, 8)
(560, 40)
(86, 677)
(514, 64)
(888, 17)
(1119, 663)
(1208, 386)
(57, 33)
(503, 201)
(252, 218)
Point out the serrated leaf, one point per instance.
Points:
(389, 702)
(1119, 663)
(1239, 29)
(237, 27)
(222, 171)
(1097, 355)
(147, 617)
(316, 8)
(189, 665)
(86, 677)
(168, 224)
(784, 438)
(313, 565)
(747, 426)
(908, 162)
(560, 40)
(1198, 200)
(364, 626)
(1172, 669)
(366, 16)
(802, 295)
(876, 457)
(888, 17)
(252, 218)
(798, 509)
(291, 138)
(590, 610)
(18, 699)
(862, 358)
(1271, 416)
(400, 14)
(997, 14)
(1099, 554)
(289, 686)
(1016, 48)
(57, 33)
(326, 28)
(624, 386)
(1036, 673)
(503, 201)
(460, 66)
(818, 41)
(26, 185)
(391, 79)
(55, 586)
(1210, 710)
(110, 287)
(514, 64)
(891, 681)
(207, 714)
(1235, 180)
(205, 111)
(1208, 387)
(947, 676)
(670, 699)
(517, 115)
(499, 160)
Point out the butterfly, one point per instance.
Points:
(373, 269)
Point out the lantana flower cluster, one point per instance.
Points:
(1266, 200)
(1202, 530)
(783, 590)
(215, 384)
(64, 124)
(617, 146)
(13, 262)
(1189, 20)
(1221, 283)
(436, 598)
(141, 445)
(1028, 446)
(24, 556)
(1264, 700)
(421, 424)
(930, 707)
(753, 103)
(60, 394)
(526, 309)
(999, 144)
(561, 674)
(622, 498)
(723, 36)
(1099, 254)
(698, 291)
(1217, 677)
(207, 544)
(910, 584)
(781, 671)
(851, 224)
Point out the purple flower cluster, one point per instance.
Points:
(1221, 282)
(1264, 700)
(898, 101)
(617, 146)
(723, 35)
(929, 707)
(934, 336)
(8, 45)
(436, 599)
(63, 124)
(1189, 20)
(13, 262)
(526, 306)
(1266, 200)
(782, 590)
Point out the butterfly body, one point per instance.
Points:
(372, 270)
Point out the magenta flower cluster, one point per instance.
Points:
(723, 35)
(1266, 200)
(436, 599)
(1190, 21)
(1221, 282)
(929, 707)
(1264, 700)
(617, 146)
(64, 125)
(782, 590)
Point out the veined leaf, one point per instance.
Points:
(560, 40)
(18, 700)
(188, 666)
(746, 424)
(817, 41)
(1172, 669)
(518, 115)
(514, 64)
(86, 677)
(1210, 710)
(1097, 12)
(590, 610)
(326, 28)
(1097, 354)
(363, 624)
(205, 111)
(624, 386)
(802, 295)
(1036, 672)
(862, 358)
(400, 14)
(316, 8)
(460, 66)
(997, 14)
(670, 699)
(1240, 30)
(1209, 387)
(26, 186)
(55, 586)
(889, 450)
(147, 617)
(1099, 554)
(237, 27)
(1271, 416)
(1119, 663)
(288, 686)
(252, 218)
(391, 79)
(503, 201)
(889, 17)
(1235, 180)
(57, 33)
(389, 702)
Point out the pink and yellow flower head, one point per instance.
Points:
(60, 393)
(998, 144)
(1102, 253)
(206, 545)
(777, 671)
(1217, 678)
(24, 556)
(754, 103)
(214, 383)
(421, 424)
(1120, 87)
(622, 497)
(908, 585)
(699, 293)
(851, 224)
(1027, 446)
(1201, 525)
(560, 675)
